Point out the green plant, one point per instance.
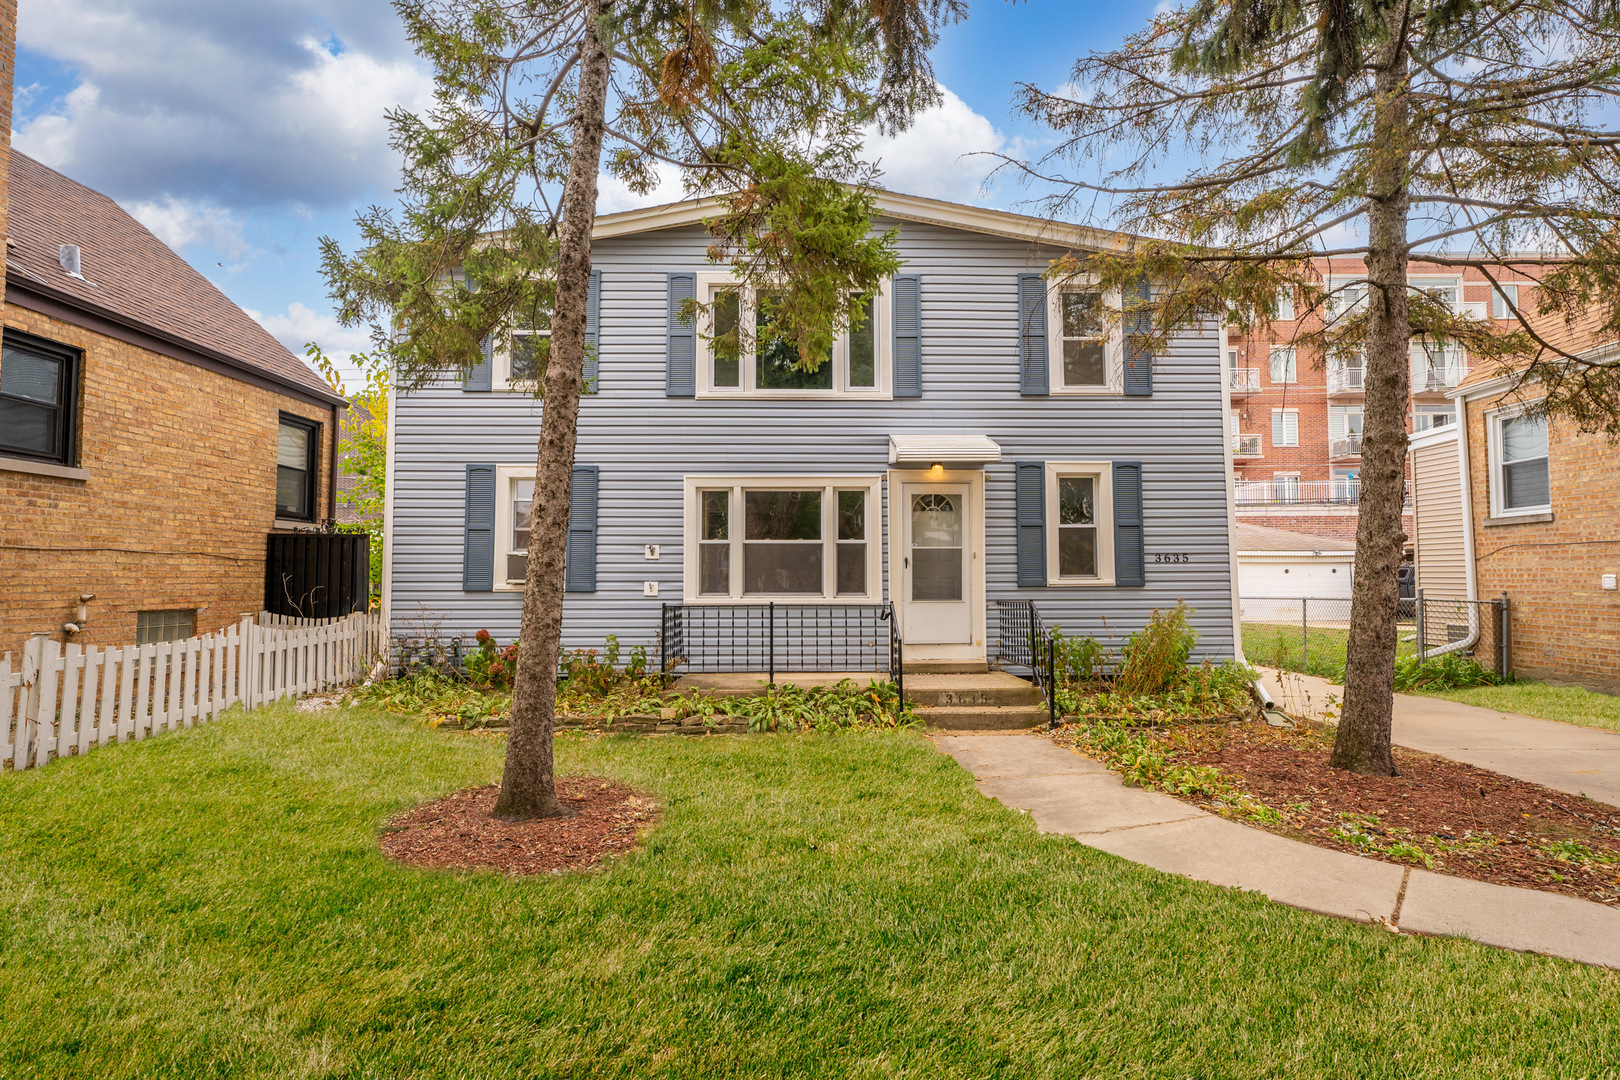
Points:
(1155, 657)
(1453, 671)
(1078, 659)
(1573, 851)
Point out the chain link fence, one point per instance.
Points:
(1311, 634)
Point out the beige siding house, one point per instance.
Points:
(1440, 535)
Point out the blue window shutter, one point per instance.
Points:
(478, 530)
(579, 574)
(1033, 380)
(906, 290)
(1129, 559)
(593, 324)
(680, 362)
(478, 377)
(1030, 515)
(1138, 358)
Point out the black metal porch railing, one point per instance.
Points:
(774, 638)
(1023, 641)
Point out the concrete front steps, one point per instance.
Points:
(975, 700)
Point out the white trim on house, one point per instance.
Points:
(915, 450)
(1102, 474)
(736, 485)
(387, 604)
(1113, 339)
(500, 363)
(712, 283)
(505, 475)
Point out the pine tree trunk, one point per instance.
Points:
(1363, 742)
(528, 787)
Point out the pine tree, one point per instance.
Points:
(1467, 133)
(760, 104)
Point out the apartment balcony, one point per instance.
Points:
(1245, 446)
(1438, 378)
(1243, 381)
(1347, 447)
(1345, 380)
(1342, 491)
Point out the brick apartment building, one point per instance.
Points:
(1296, 419)
(151, 432)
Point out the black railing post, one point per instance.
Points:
(770, 638)
(1051, 675)
(1505, 668)
(663, 639)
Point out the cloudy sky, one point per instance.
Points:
(241, 133)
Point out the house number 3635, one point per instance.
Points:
(1163, 557)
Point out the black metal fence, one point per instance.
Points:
(317, 575)
(779, 638)
(1023, 641)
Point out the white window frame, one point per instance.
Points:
(1285, 304)
(830, 485)
(1352, 287)
(1290, 365)
(1103, 473)
(1283, 445)
(1448, 281)
(1447, 411)
(712, 282)
(505, 475)
(500, 361)
(1494, 419)
(1113, 350)
(1500, 295)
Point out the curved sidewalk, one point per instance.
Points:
(1066, 792)
(1578, 760)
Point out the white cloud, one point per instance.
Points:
(182, 223)
(1163, 7)
(299, 325)
(935, 157)
(614, 195)
(231, 104)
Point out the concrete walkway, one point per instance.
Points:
(1068, 793)
(1578, 760)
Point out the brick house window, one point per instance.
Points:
(297, 447)
(173, 625)
(1518, 456)
(38, 390)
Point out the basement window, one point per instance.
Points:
(171, 625)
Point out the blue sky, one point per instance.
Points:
(242, 133)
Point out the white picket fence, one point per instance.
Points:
(63, 701)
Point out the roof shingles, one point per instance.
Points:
(132, 275)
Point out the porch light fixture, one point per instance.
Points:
(936, 467)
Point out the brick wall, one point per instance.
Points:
(180, 495)
(1564, 624)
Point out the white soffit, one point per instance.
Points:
(924, 450)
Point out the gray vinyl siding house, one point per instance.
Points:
(964, 365)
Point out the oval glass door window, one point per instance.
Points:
(936, 547)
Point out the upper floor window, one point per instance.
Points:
(1285, 304)
(1284, 427)
(1087, 350)
(1504, 300)
(1447, 291)
(1520, 483)
(518, 366)
(38, 390)
(1284, 368)
(297, 450)
(1429, 417)
(737, 356)
(1345, 294)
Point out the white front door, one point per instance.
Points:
(937, 579)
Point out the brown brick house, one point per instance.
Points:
(1539, 520)
(151, 432)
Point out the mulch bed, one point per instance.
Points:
(457, 831)
(1441, 814)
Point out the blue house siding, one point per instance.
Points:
(644, 442)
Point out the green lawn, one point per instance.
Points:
(1570, 704)
(1279, 645)
(212, 903)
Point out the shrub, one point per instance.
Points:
(1078, 659)
(1155, 657)
(1453, 671)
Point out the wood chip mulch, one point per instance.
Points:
(457, 831)
(1440, 814)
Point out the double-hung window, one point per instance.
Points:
(1520, 483)
(520, 361)
(738, 354)
(1284, 368)
(1504, 300)
(297, 451)
(787, 537)
(1284, 427)
(1079, 523)
(1429, 417)
(38, 390)
(1447, 291)
(1285, 304)
(1085, 339)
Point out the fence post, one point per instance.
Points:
(33, 665)
(1419, 619)
(1505, 666)
(1304, 633)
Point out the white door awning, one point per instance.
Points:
(922, 450)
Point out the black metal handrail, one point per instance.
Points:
(1022, 640)
(773, 637)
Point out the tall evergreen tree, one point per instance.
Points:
(1466, 133)
(761, 104)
